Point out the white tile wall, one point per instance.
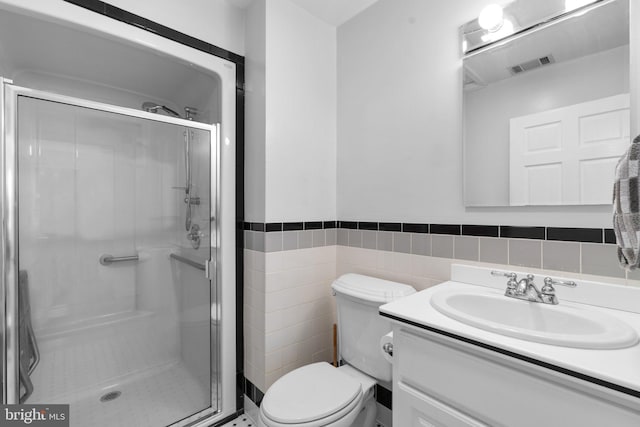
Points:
(254, 318)
(418, 271)
(289, 311)
(93, 183)
(422, 272)
(76, 195)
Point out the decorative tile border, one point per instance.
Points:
(560, 234)
(292, 226)
(578, 250)
(284, 236)
(254, 393)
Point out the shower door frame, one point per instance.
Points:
(9, 94)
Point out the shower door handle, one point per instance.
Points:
(210, 269)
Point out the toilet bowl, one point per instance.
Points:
(319, 395)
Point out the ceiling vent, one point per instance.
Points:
(532, 64)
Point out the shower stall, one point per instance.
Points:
(105, 291)
(118, 252)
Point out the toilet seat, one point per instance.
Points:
(312, 396)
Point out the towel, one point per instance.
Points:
(29, 354)
(626, 207)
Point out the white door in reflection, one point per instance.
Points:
(568, 155)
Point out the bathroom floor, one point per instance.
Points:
(246, 421)
(241, 421)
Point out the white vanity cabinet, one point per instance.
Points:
(443, 381)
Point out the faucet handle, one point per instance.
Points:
(549, 283)
(512, 283)
(568, 283)
(511, 275)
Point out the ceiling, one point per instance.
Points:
(333, 12)
(38, 54)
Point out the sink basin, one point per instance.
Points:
(562, 325)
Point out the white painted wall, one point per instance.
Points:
(218, 22)
(290, 175)
(255, 113)
(290, 141)
(301, 115)
(400, 121)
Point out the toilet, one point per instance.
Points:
(318, 394)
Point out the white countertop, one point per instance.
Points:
(618, 366)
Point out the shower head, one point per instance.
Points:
(152, 107)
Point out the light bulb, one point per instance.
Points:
(491, 17)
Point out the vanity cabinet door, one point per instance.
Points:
(416, 409)
(434, 374)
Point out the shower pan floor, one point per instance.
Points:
(157, 398)
(102, 354)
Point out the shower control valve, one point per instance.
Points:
(193, 200)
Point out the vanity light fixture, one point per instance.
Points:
(505, 30)
(570, 5)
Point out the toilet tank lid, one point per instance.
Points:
(370, 288)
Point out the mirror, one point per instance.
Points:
(546, 110)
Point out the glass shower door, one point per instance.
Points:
(114, 306)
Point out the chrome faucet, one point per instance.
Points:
(525, 288)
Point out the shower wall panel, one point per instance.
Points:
(79, 205)
(97, 187)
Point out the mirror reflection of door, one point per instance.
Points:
(568, 155)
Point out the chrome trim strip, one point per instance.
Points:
(216, 257)
(132, 112)
(3, 232)
(201, 418)
(10, 246)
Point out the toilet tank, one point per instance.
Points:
(360, 327)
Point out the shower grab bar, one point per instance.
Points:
(192, 263)
(107, 259)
